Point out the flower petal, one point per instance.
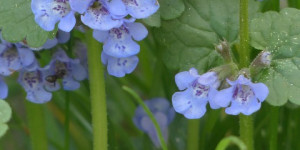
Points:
(252, 107)
(182, 101)
(141, 8)
(80, 6)
(234, 109)
(3, 89)
(137, 30)
(100, 36)
(121, 48)
(197, 110)
(120, 66)
(184, 79)
(260, 90)
(67, 23)
(99, 19)
(223, 97)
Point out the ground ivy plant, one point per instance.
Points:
(149, 74)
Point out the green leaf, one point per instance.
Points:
(5, 112)
(17, 23)
(280, 34)
(5, 115)
(153, 20)
(188, 41)
(171, 9)
(225, 142)
(3, 129)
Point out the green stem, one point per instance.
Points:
(67, 121)
(246, 131)
(273, 128)
(246, 123)
(244, 51)
(97, 93)
(37, 126)
(193, 134)
(151, 116)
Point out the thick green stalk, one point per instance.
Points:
(151, 116)
(244, 51)
(274, 122)
(37, 126)
(97, 93)
(193, 134)
(246, 122)
(246, 131)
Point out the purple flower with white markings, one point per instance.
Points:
(3, 89)
(13, 58)
(242, 97)
(198, 90)
(141, 8)
(119, 67)
(163, 113)
(118, 42)
(32, 80)
(49, 12)
(65, 68)
(98, 17)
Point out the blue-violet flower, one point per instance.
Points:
(198, 90)
(163, 113)
(242, 97)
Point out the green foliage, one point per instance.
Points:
(5, 115)
(188, 41)
(17, 23)
(279, 33)
(171, 9)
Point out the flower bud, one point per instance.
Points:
(263, 60)
(223, 49)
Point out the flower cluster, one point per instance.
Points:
(241, 96)
(39, 82)
(163, 113)
(113, 22)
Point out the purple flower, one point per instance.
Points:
(163, 113)
(98, 17)
(62, 67)
(80, 51)
(141, 8)
(118, 42)
(32, 79)
(14, 58)
(61, 38)
(49, 12)
(242, 97)
(198, 90)
(119, 67)
(3, 89)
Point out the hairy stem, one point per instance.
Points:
(244, 51)
(37, 126)
(97, 93)
(246, 131)
(193, 134)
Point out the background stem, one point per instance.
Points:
(246, 131)
(37, 126)
(97, 93)
(273, 130)
(193, 134)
